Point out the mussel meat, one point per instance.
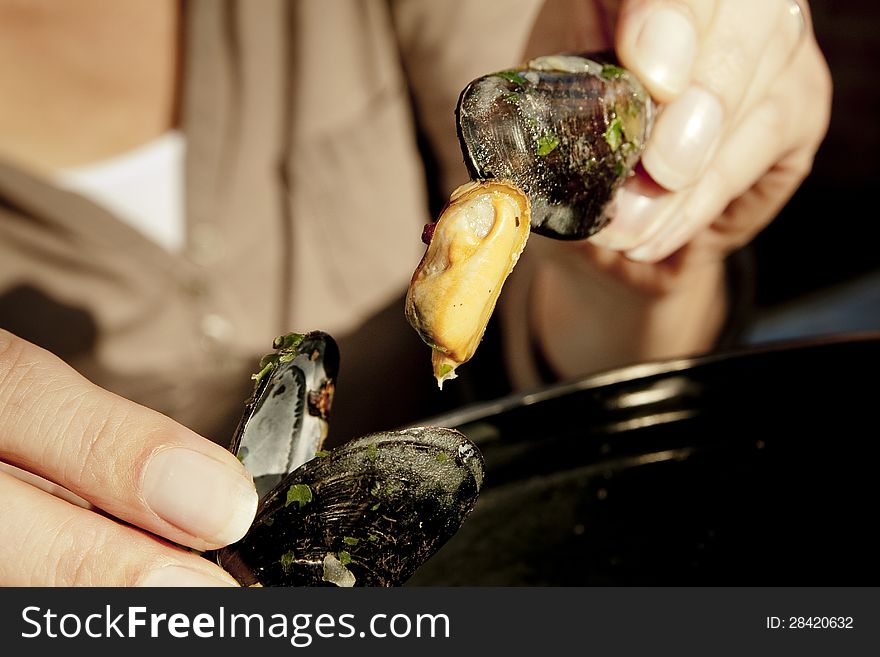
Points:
(474, 247)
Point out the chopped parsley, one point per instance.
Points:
(285, 346)
(344, 558)
(287, 560)
(513, 76)
(299, 493)
(612, 72)
(288, 341)
(350, 540)
(264, 370)
(547, 143)
(614, 134)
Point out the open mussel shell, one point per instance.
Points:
(285, 422)
(369, 513)
(566, 129)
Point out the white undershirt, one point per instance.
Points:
(143, 188)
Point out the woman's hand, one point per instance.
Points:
(746, 100)
(129, 469)
(744, 96)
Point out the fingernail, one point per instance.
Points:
(635, 217)
(201, 496)
(180, 576)
(687, 133)
(700, 206)
(644, 253)
(665, 50)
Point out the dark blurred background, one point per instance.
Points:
(818, 263)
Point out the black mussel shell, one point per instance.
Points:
(285, 422)
(367, 514)
(565, 129)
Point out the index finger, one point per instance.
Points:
(659, 40)
(130, 461)
(735, 50)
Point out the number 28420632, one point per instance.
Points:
(810, 623)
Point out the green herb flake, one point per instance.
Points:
(513, 76)
(612, 72)
(512, 98)
(264, 370)
(372, 452)
(376, 506)
(614, 134)
(547, 143)
(350, 540)
(441, 456)
(288, 341)
(287, 560)
(375, 490)
(344, 557)
(269, 521)
(242, 454)
(299, 493)
(322, 453)
(445, 369)
(372, 538)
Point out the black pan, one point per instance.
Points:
(757, 467)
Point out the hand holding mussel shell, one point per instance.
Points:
(553, 140)
(367, 513)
